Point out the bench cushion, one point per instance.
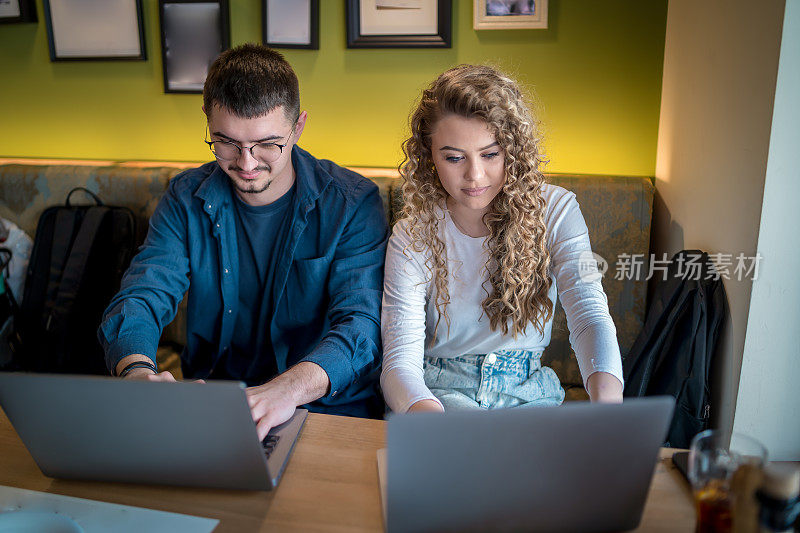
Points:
(617, 211)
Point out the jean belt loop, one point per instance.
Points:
(536, 359)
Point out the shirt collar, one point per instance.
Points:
(311, 178)
(214, 190)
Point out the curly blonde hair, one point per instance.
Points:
(518, 261)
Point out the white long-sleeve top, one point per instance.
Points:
(409, 314)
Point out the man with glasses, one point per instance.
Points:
(281, 254)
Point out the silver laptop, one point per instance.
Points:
(578, 467)
(108, 429)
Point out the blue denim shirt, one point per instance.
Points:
(327, 285)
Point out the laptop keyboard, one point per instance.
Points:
(269, 444)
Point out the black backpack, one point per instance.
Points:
(79, 255)
(673, 353)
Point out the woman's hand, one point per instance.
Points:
(604, 388)
(424, 406)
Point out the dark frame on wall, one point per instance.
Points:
(441, 39)
(27, 12)
(313, 26)
(74, 32)
(180, 43)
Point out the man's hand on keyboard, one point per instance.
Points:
(274, 402)
(146, 375)
(271, 404)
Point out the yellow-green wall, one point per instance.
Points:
(596, 71)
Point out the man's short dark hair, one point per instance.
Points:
(250, 81)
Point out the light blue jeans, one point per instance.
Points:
(510, 378)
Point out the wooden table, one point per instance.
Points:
(331, 484)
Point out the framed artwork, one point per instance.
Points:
(509, 14)
(94, 30)
(290, 24)
(399, 23)
(17, 11)
(193, 34)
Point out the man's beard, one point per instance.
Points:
(251, 188)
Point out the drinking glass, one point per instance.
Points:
(724, 470)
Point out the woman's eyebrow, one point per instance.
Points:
(460, 150)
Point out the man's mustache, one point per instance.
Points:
(259, 168)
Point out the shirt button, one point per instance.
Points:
(230, 311)
(217, 224)
(334, 393)
(209, 206)
(491, 358)
(226, 270)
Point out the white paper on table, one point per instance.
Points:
(94, 516)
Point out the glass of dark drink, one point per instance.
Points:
(724, 470)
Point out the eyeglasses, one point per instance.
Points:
(264, 152)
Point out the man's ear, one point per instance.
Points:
(300, 125)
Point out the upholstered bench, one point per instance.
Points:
(617, 212)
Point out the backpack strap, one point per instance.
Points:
(94, 197)
(74, 269)
(59, 252)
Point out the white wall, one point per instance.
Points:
(720, 69)
(768, 403)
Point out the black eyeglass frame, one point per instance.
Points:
(240, 148)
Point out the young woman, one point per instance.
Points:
(483, 248)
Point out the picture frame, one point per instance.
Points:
(290, 24)
(95, 30)
(399, 23)
(12, 11)
(193, 34)
(509, 14)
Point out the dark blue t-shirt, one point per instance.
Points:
(260, 231)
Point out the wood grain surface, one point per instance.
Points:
(330, 484)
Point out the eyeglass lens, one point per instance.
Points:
(266, 152)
